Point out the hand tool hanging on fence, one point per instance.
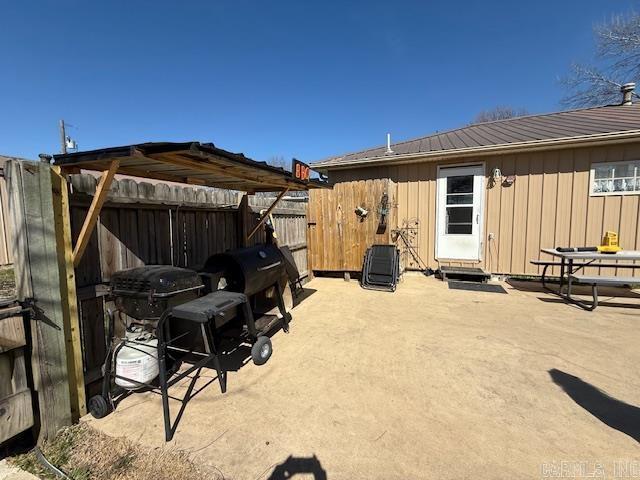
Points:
(383, 212)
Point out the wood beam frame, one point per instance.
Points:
(267, 213)
(235, 171)
(68, 294)
(102, 190)
(200, 166)
(184, 159)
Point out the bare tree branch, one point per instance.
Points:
(281, 162)
(590, 87)
(618, 55)
(499, 113)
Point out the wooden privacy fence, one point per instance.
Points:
(141, 223)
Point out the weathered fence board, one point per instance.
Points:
(38, 276)
(12, 333)
(12, 373)
(6, 253)
(16, 410)
(19, 247)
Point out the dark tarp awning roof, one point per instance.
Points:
(193, 163)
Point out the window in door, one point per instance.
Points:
(459, 205)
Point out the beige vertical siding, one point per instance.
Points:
(548, 205)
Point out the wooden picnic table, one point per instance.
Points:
(572, 262)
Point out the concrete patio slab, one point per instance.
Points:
(426, 382)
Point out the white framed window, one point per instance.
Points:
(615, 178)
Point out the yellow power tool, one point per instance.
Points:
(609, 243)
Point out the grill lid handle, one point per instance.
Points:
(269, 267)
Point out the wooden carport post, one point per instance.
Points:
(68, 295)
(68, 259)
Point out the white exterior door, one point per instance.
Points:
(460, 200)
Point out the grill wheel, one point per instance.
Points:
(99, 407)
(261, 350)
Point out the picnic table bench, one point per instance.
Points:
(572, 262)
(594, 281)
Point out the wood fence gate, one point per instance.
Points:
(338, 237)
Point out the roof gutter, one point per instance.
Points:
(533, 145)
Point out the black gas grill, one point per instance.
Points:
(185, 304)
(144, 293)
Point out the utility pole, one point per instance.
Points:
(63, 137)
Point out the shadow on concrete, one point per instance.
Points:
(610, 411)
(235, 352)
(304, 466)
(302, 295)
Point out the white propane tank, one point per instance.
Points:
(137, 359)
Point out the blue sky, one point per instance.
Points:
(278, 79)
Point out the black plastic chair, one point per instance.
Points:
(381, 268)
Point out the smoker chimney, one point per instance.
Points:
(45, 158)
(627, 93)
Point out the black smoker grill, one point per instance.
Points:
(179, 305)
(245, 270)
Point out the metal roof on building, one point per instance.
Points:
(577, 125)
